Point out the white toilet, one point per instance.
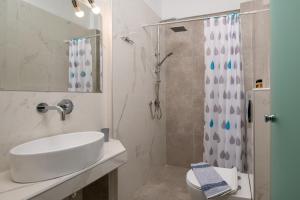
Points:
(244, 193)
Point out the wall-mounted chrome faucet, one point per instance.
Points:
(64, 108)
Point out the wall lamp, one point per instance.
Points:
(96, 10)
(78, 12)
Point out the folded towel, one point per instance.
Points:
(212, 184)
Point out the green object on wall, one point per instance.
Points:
(285, 79)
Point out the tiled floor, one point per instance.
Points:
(169, 184)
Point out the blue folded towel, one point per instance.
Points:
(212, 184)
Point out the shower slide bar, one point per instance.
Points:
(203, 18)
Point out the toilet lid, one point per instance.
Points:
(229, 175)
(191, 179)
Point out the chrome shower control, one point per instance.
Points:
(67, 105)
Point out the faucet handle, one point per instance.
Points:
(67, 105)
(42, 107)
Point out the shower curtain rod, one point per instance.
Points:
(204, 18)
(89, 36)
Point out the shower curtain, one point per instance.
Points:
(80, 65)
(224, 131)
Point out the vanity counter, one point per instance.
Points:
(114, 156)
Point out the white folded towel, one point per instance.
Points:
(212, 183)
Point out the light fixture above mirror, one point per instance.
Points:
(95, 9)
(78, 12)
(91, 3)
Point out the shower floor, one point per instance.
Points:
(169, 184)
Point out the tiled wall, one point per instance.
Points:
(247, 29)
(185, 94)
(133, 89)
(256, 44)
(262, 43)
(256, 56)
(262, 143)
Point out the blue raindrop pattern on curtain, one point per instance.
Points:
(224, 131)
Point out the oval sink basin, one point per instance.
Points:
(56, 156)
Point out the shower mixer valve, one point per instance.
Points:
(155, 109)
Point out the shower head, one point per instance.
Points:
(165, 58)
(177, 29)
(169, 54)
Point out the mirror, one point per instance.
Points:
(46, 46)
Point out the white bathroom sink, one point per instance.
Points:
(56, 156)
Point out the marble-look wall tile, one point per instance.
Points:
(185, 94)
(262, 141)
(256, 56)
(262, 44)
(247, 27)
(259, 4)
(2, 41)
(256, 44)
(133, 89)
(261, 70)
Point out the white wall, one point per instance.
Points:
(155, 5)
(64, 9)
(188, 8)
